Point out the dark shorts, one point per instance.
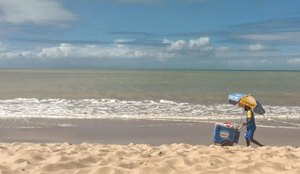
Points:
(249, 134)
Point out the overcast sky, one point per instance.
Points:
(156, 34)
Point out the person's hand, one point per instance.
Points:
(244, 124)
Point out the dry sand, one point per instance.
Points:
(144, 159)
(118, 146)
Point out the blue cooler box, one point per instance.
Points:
(226, 133)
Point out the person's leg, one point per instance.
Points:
(247, 142)
(256, 142)
(248, 137)
(251, 135)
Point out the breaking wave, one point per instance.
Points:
(122, 109)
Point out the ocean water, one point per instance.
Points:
(171, 95)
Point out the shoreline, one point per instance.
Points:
(124, 132)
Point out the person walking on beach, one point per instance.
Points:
(251, 127)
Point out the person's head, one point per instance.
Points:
(246, 108)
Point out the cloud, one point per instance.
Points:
(294, 61)
(15, 54)
(201, 43)
(256, 47)
(249, 63)
(194, 53)
(66, 50)
(34, 11)
(87, 56)
(166, 41)
(177, 45)
(86, 51)
(63, 50)
(122, 41)
(119, 50)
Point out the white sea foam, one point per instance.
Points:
(122, 109)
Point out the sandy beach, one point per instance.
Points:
(140, 146)
(142, 158)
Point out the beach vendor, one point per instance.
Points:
(251, 127)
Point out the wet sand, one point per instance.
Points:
(130, 131)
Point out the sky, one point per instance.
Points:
(150, 34)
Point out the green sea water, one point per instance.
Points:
(279, 88)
